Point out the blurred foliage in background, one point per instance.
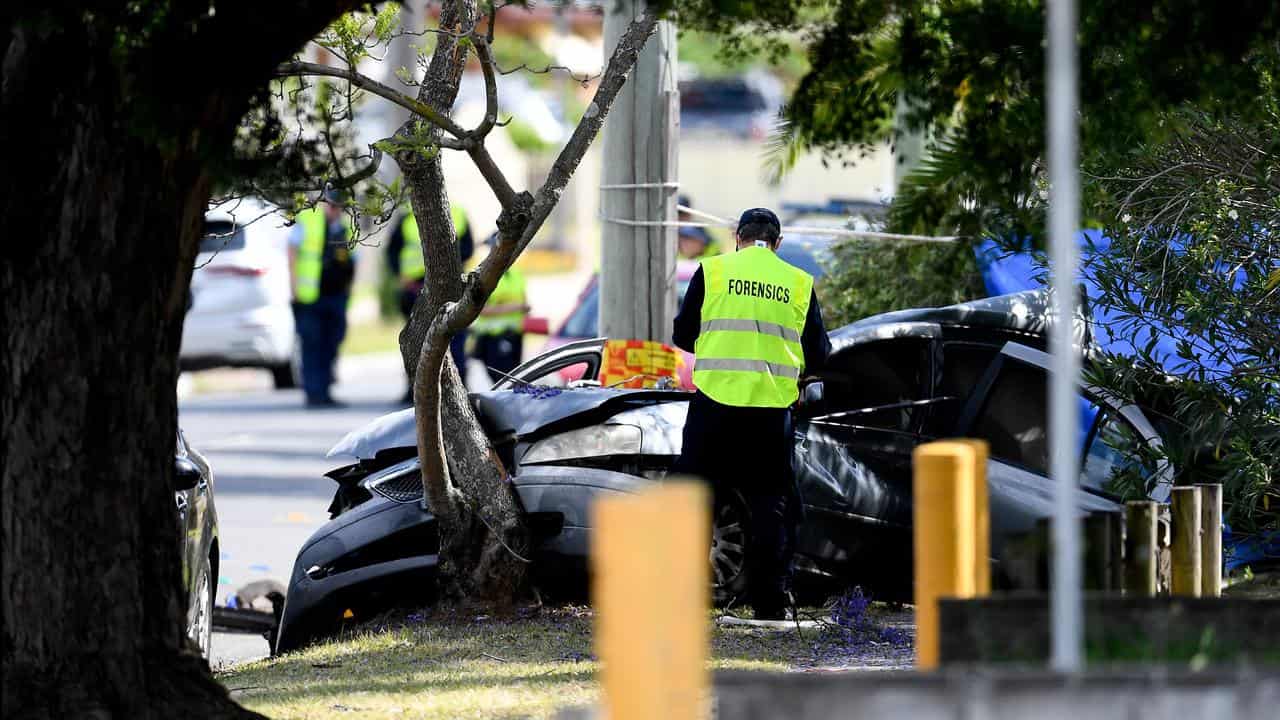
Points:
(868, 277)
(1179, 144)
(711, 55)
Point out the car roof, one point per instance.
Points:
(1024, 312)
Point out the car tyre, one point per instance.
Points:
(200, 614)
(729, 530)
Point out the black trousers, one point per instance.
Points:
(749, 450)
(500, 352)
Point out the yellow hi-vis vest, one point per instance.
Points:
(748, 352)
(309, 262)
(412, 267)
(510, 290)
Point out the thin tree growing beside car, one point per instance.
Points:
(483, 539)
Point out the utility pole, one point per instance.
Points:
(637, 279)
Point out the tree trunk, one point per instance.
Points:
(102, 225)
(482, 534)
(483, 539)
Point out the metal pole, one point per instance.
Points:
(1064, 209)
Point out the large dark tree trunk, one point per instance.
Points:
(94, 294)
(102, 194)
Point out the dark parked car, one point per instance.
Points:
(893, 382)
(744, 106)
(198, 523)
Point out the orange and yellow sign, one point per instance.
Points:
(638, 363)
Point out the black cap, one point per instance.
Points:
(760, 215)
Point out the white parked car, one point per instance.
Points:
(240, 313)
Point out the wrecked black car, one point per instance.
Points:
(893, 381)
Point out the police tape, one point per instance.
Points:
(715, 221)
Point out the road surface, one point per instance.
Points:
(268, 457)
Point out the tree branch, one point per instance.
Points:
(298, 68)
(364, 173)
(485, 54)
(492, 174)
(511, 243)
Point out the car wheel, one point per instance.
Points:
(287, 376)
(200, 614)
(729, 549)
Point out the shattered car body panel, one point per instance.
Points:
(892, 383)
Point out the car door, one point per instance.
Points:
(579, 360)
(188, 512)
(853, 458)
(1009, 410)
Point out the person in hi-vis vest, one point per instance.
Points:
(404, 260)
(753, 323)
(499, 331)
(322, 268)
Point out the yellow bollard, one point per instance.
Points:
(651, 591)
(945, 536)
(981, 518)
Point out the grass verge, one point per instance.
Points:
(372, 336)
(451, 665)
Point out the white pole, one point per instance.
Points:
(1064, 209)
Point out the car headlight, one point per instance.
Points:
(596, 441)
(401, 483)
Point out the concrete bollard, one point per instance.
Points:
(1142, 548)
(651, 589)
(1185, 580)
(1210, 540)
(946, 540)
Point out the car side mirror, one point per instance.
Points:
(536, 326)
(186, 474)
(813, 398)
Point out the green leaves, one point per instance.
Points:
(354, 35)
(867, 277)
(1193, 224)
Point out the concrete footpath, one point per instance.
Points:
(977, 695)
(1120, 694)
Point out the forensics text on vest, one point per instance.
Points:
(766, 291)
